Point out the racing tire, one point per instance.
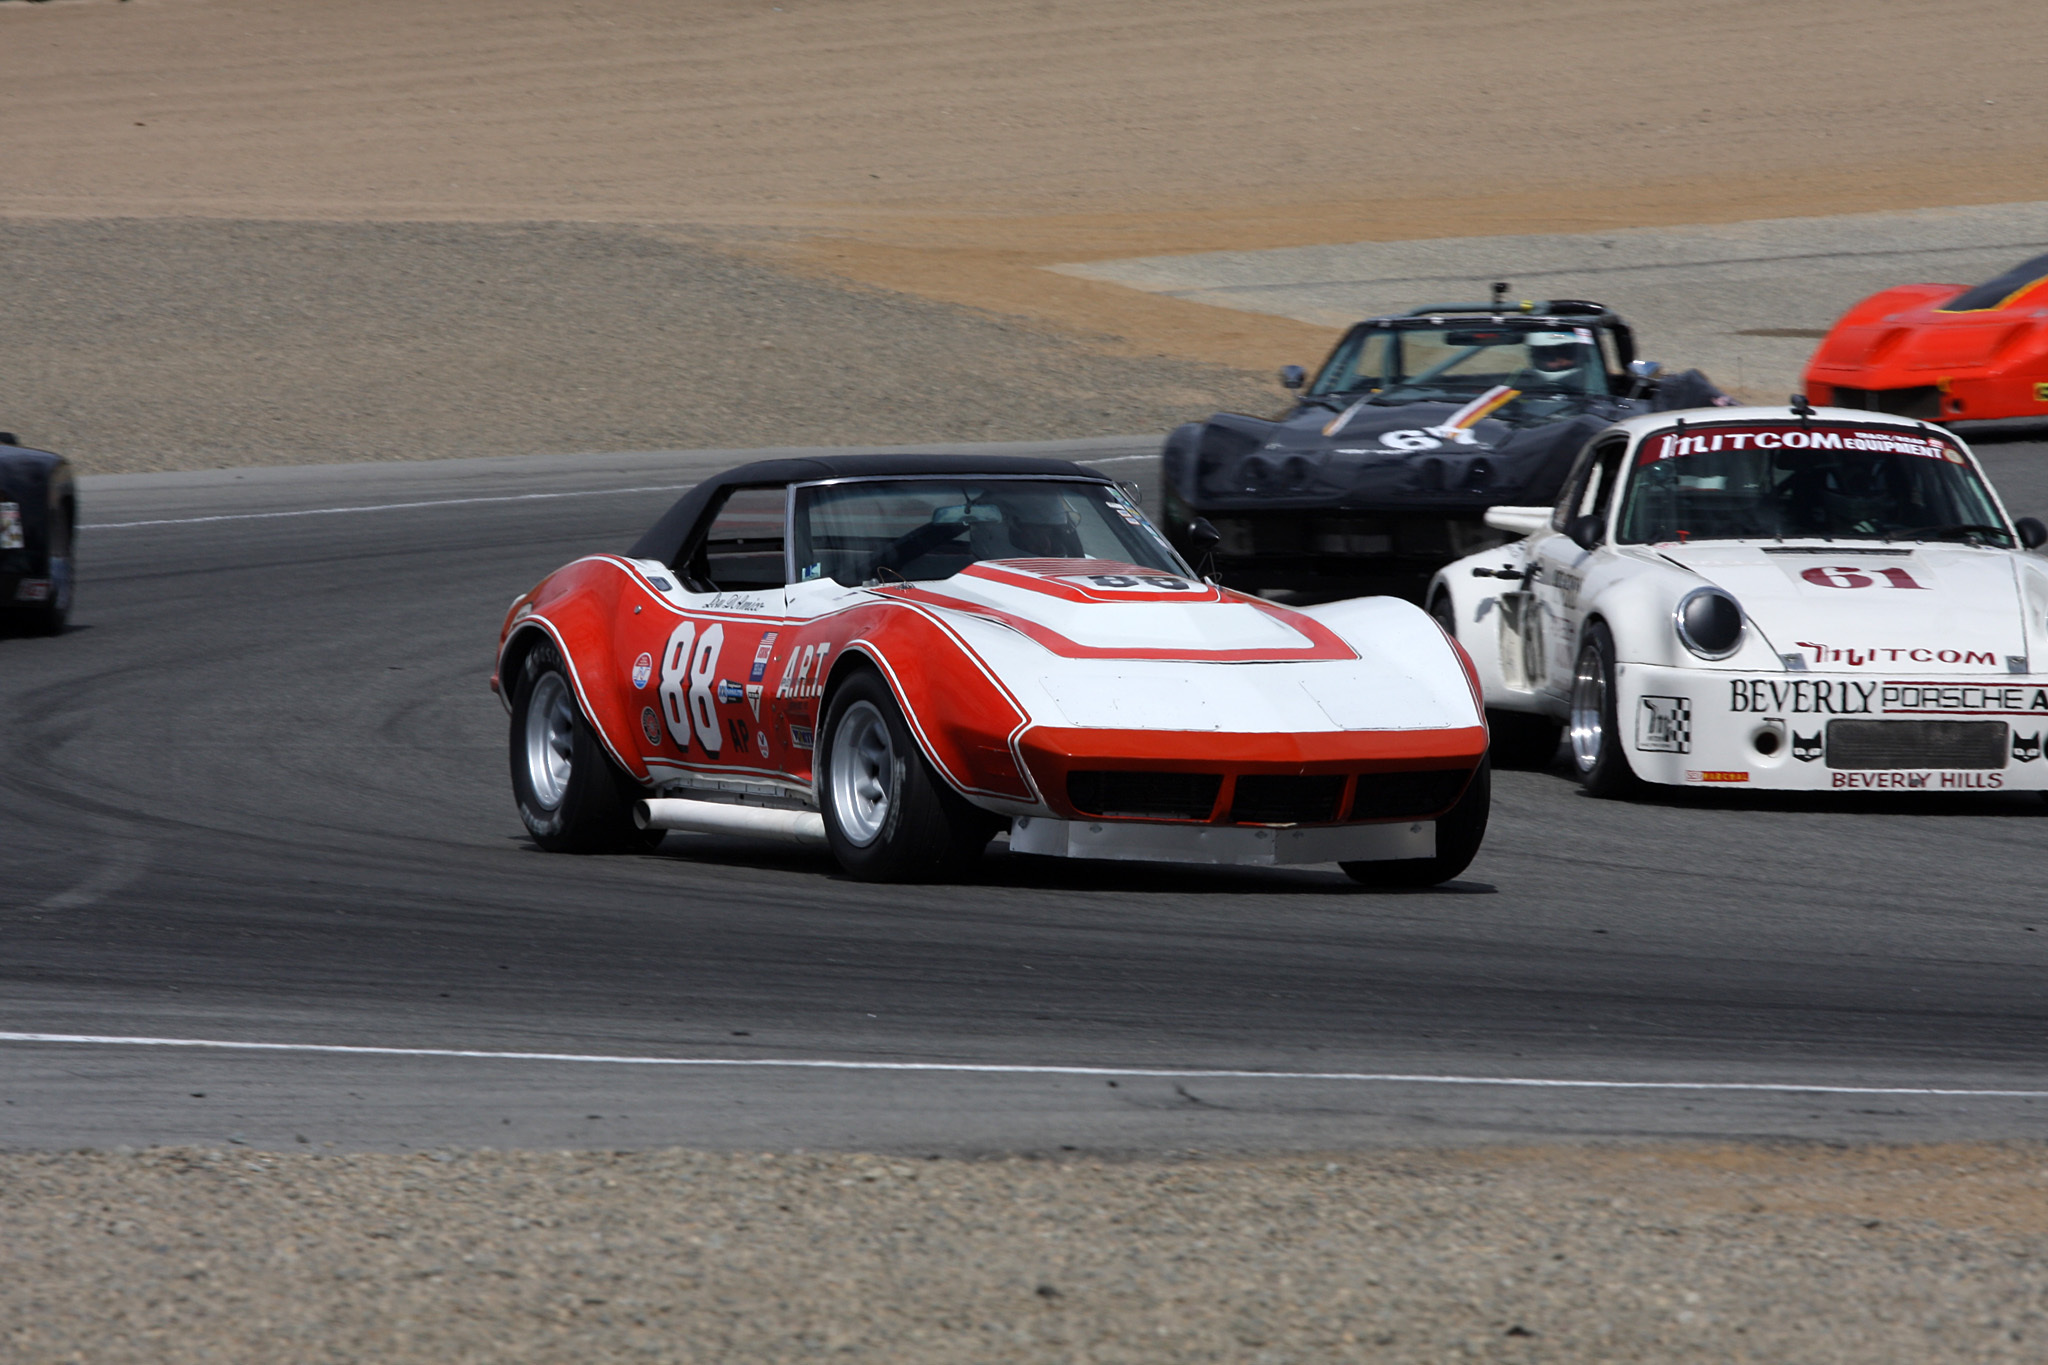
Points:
(1458, 837)
(1595, 733)
(1521, 740)
(888, 816)
(572, 797)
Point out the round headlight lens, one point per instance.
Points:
(1709, 623)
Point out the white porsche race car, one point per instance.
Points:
(1792, 598)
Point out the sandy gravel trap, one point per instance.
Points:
(1605, 1254)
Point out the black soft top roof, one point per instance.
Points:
(664, 540)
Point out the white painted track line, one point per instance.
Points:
(385, 507)
(999, 1069)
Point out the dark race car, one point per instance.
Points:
(1414, 426)
(38, 513)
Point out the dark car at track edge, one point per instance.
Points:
(38, 522)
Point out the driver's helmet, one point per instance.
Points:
(1859, 493)
(1557, 359)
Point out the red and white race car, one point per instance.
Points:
(900, 656)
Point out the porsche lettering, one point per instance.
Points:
(1906, 698)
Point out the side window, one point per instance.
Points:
(1590, 489)
(742, 546)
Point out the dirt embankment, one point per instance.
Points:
(938, 151)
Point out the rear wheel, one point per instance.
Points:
(1596, 737)
(571, 795)
(1517, 738)
(1458, 836)
(888, 816)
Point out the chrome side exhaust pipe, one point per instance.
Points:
(717, 817)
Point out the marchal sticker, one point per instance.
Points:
(643, 669)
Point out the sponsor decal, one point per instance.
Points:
(1711, 775)
(761, 657)
(1852, 576)
(800, 736)
(1910, 781)
(1864, 656)
(2026, 748)
(2041, 393)
(761, 742)
(754, 699)
(1801, 696)
(11, 537)
(1920, 699)
(1122, 582)
(803, 676)
(32, 590)
(1664, 725)
(1808, 748)
(742, 738)
(730, 691)
(643, 669)
(1672, 445)
(738, 601)
(689, 663)
(650, 724)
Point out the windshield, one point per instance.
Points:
(892, 531)
(1814, 482)
(1402, 364)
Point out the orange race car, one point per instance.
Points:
(1942, 352)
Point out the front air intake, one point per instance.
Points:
(1867, 744)
(1144, 795)
(1266, 799)
(1407, 796)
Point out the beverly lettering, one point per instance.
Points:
(1801, 696)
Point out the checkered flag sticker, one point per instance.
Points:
(1664, 725)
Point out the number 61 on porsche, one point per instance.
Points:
(901, 657)
(1788, 598)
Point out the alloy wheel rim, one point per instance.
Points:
(550, 740)
(1589, 708)
(863, 773)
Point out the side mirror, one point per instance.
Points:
(8, 438)
(1585, 531)
(1292, 376)
(1203, 539)
(1646, 369)
(2032, 533)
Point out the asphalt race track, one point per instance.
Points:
(258, 794)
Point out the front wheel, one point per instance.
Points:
(1596, 736)
(888, 816)
(572, 797)
(1458, 836)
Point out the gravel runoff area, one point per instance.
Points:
(1777, 1254)
(182, 344)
